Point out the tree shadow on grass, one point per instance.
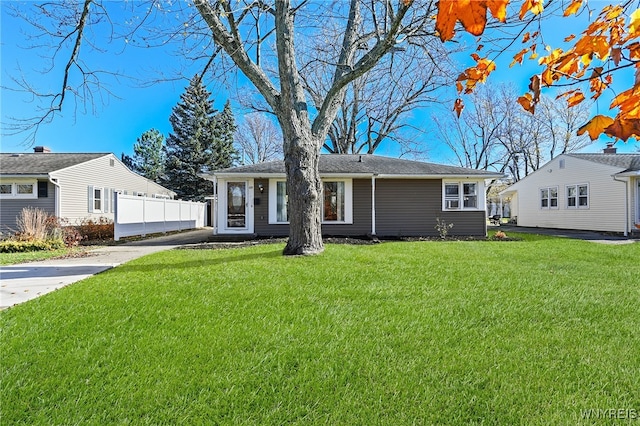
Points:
(196, 263)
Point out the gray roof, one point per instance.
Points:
(41, 163)
(365, 164)
(626, 162)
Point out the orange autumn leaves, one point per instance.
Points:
(608, 44)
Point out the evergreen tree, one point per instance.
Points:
(197, 144)
(225, 153)
(148, 155)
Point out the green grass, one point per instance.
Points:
(13, 258)
(527, 332)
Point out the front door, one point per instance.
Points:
(236, 205)
(238, 209)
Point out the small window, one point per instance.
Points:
(25, 189)
(549, 198)
(97, 199)
(470, 195)
(452, 196)
(460, 195)
(578, 196)
(6, 189)
(19, 190)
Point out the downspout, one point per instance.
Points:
(57, 195)
(373, 205)
(626, 204)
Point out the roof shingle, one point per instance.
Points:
(364, 164)
(627, 162)
(41, 163)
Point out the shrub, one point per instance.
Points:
(100, 229)
(443, 227)
(16, 246)
(59, 228)
(33, 224)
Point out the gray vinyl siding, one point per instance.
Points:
(361, 213)
(361, 225)
(11, 208)
(261, 225)
(409, 207)
(74, 183)
(404, 207)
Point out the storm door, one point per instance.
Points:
(237, 205)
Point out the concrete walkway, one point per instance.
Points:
(26, 281)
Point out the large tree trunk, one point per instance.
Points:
(304, 190)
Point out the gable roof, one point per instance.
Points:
(626, 162)
(41, 163)
(365, 164)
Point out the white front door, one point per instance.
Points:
(237, 207)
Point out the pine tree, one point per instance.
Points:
(225, 154)
(197, 144)
(148, 155)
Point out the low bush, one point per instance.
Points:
(17, 246)
(99, 229)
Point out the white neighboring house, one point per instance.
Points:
(71, 186)
(596, 192)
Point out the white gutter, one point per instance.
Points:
(626, 204)
(55, 183)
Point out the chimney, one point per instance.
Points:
(610, 149)
(42, 149)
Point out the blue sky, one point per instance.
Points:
(113, 124)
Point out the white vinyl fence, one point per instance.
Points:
(141, 215)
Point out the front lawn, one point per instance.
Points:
(541, 331)
(31, 256)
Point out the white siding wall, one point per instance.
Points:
(606, 197)
(105, 172)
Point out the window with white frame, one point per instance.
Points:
(282, 200)
(549, 198)
(28, 189)
(333, 203)
(578, 196)
(96, 199)
(6, 189)
(460, 195)
(337, 201)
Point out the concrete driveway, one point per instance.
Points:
(596, 237)
(26, 281)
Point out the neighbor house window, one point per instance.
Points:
(6, 189)
(549, 198)
(578, 196)
(96, 195)
(19, 190)
(460, 195)
(337, 196)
